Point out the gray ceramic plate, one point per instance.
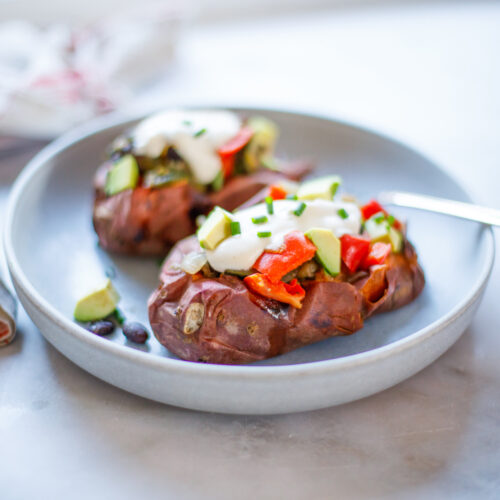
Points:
(52, 255)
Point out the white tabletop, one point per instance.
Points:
(429, 75)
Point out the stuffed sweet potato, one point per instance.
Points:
(318, 268)
(177, 165)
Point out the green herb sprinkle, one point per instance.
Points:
(269, 205)
(300, 209)
(200, 132)
(341, 212)
(260, 220)
(235, 227)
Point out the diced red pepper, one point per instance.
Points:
(289, 293)
(353, 249)
(397, 225)
(371, 208)
(377, 255)
(277, 192)
(227, 151)
(296, 250)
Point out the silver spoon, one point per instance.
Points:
(459, 209)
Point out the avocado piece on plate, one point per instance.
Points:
(216, 228)
(322, 187)
(98, 303)
(328, 248)
(260, 148)
(381, 230)
(123, 175)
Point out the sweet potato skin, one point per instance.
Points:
(150, 221)
(218, 320)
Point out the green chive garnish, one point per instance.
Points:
(334, 188)
(259, 220)
(200, 132)
(379, 218)
(291, 196)
(269, 205)
(391, 220)
(235, 227)
(300, 209)
(119, 316)
(341, 212)
(264, 234)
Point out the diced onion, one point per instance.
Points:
(193, 262)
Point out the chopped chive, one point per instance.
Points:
(391, 220)
(291, 197)
(235, 227)
(341, 212)
(200, 132)
(264, 234)
(300, 209)
(379, 218)
(334, 188)
(259, 220)
(119, 316)
(269, 205)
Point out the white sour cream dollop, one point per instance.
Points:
(240, 252)
(195, 135)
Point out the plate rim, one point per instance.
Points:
(313, 368)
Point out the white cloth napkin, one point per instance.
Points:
(56, 77)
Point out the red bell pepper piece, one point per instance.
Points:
(227, 151)
(296, 250)
(289, 293)
(353, 249)
(377, 255)
(371, 208)
(277, 192)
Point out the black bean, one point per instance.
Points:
(135, 332)
(101, 327)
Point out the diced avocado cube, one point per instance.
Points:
(327, 249)
(382, 231)
(396, 240)
(216, 228)
(97, 304)
(322, 187)
(123, 175)
(261, 146)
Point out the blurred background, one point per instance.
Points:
(426, 72)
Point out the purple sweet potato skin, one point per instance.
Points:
(150, 221)
(238, 326)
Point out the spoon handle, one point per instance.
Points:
(459, 209)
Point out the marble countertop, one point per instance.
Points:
(428, 74)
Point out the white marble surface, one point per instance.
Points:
(427, 74)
